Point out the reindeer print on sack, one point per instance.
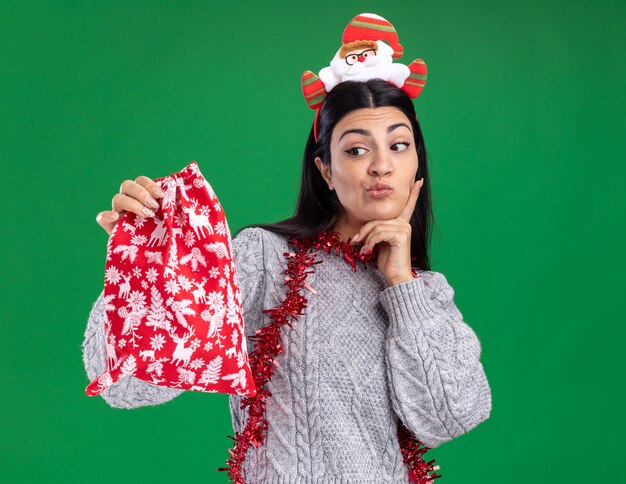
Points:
(181, 353)
(159, 234)
(199, 222)
(174, 314)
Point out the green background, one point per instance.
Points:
(523, 117)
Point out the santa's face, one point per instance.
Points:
(363, 62)
(371, 145)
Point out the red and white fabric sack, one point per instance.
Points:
(173, 310)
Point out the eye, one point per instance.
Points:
(354, 151)
(407, 144)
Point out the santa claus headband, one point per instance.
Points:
(369, 45)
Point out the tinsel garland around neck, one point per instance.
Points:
(267, 347)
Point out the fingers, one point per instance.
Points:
(139, 190)
(364, 231)
(407, 213)
(139, 196)
(123, 203)
(151, 186)
(386, 233)
(107, 220)
(368, 228)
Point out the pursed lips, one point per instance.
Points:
(379, 191)
(379, 187)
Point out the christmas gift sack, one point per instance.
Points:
(173, 310)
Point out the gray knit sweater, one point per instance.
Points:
(363, 355)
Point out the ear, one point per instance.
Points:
(324, 170)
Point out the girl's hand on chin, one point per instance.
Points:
(394, 256)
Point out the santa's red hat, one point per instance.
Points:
(369, 26)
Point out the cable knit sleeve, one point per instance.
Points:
(248, 253)
(437, 383)
(128, 392)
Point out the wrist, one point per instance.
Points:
(400, 280)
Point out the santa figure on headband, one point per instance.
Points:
(369, 45)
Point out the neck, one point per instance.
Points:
(347, 230)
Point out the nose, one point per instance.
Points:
(381, 164)
(361, 58)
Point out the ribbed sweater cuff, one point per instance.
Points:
(407, 303)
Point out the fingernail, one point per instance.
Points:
(158, 192)
(152, 202)
(147, 212)
(112, 216)
(355, 238)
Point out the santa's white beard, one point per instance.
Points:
(362, 71)
(379, 66)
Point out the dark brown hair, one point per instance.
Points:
(318, 208)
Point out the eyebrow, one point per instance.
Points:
(365, 132)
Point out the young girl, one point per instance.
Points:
(376, 349)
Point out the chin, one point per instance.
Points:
(383, 212)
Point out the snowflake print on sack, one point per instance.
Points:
(173, 309)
